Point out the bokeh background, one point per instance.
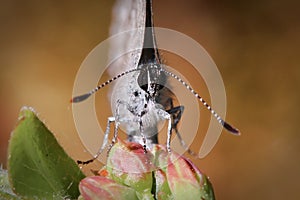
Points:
(254, 43)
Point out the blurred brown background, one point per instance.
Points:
(254, 44)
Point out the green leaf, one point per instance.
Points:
(38, 166)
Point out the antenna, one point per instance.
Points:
(83, 97)
(227, 126)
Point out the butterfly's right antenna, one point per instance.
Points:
(83, 97)
(227, 126)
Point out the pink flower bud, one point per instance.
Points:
(97, 187)
(186, 181)
(153, 174)
(128, 164)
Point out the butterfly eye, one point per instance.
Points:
(143, 80)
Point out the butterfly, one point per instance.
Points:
(141, 99)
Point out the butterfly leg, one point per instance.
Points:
(117, 123)
(104, 143)
(114, 139)
(165, 115)
(176, 113)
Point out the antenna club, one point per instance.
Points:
(237, 133)
(87, 95)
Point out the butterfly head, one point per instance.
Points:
(151, 79)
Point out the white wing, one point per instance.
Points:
(127, 15)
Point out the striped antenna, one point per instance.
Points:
(227, 126)
(83, 97)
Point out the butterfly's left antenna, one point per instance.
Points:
(226, 125)
(83, 97)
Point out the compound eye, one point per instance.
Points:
(143, 80)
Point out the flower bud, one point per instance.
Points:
(157, 174)
(186, 181)
(97, 187)
(128, 164)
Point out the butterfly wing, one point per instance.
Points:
(128, 22)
